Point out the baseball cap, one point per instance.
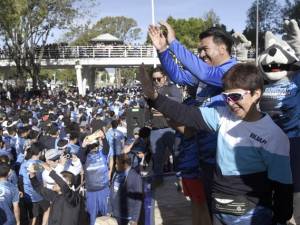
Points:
(52, 154)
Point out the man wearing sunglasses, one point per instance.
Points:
(162, 137)
(252, 180)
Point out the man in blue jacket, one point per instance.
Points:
(204, 71)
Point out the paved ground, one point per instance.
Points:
(171, 207)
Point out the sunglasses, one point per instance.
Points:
(157, 79)
(234, 96)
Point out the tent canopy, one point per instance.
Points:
(106, 38)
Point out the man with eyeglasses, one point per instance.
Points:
(162, 137)
(252, 180)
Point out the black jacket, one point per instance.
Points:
(66, 208)
(126, 202)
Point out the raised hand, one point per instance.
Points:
(147, 83)
(292, 36)
(170, 31)
(157, 38)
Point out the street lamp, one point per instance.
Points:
(152, 12)
(153, 23)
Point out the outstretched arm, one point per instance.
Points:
(175, 73)
(204, 72)
(201, 70)
(187, 115)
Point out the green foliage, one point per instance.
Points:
(188, 30)
(291, 9)
(270, 19)
(27, 24)
(66, 75)
(129, 74)
(121, 27)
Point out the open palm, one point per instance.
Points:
(158, 39)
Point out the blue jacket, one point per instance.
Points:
(195, 69)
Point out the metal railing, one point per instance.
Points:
(70, 52)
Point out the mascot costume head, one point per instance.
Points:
(281, 57)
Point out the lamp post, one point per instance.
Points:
(152, 12)
(153, 23)
(257, 27)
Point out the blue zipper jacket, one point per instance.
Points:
(195, 69)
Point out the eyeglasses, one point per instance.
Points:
(234, 96)
(158, 79)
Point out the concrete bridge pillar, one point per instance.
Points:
(90, 77)
(78, 69)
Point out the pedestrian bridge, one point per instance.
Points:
(92, 56)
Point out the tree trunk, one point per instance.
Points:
(20, 75)
(35, 76)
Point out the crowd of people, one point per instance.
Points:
(68, 160)
(65, 155)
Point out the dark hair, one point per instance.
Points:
(4, 159)
(244, 76)
(220, 36)
(124, 159)
(34, 149)
(33, 134)
(69, 176)
(4, 169)
(74, 135)
(53, 130)
(144, 132)
(114, 124)
(62, 143)
(159, 69)
(111, 113)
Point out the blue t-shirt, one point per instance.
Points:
(281, 100)
(30, 193)
(249, 147)
(96, 171)
(9, 194)
(115, 140)
(12, 178)
(74, 149)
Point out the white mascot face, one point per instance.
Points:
(278, 60)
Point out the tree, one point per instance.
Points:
(291, 10)
(270, 19)
(25, 26)
(121, 27)
(188, 30)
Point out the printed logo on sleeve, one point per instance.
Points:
(258, 138)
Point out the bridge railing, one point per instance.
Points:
(119, 51)
(106, 51)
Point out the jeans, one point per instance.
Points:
(258, 216)
(161, 140)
